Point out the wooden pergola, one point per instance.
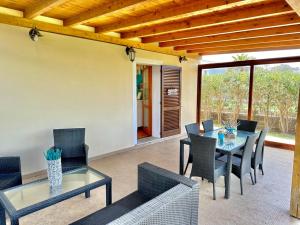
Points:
(175, 27)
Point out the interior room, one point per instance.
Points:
(150, 112)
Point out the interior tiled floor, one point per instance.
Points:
(265, 203)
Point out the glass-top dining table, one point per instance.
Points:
(228, 147)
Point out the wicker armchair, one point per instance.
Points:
(10, 172)
(162, 198)
(74, 149)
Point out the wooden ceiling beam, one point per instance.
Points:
(103, 9)
(41, 7)
(69, 31)
(250, 48)
(234, 36)
(268, 39)
(229, 16)
(287, 19)
(191, 7)
(295, 4)
(238, 51)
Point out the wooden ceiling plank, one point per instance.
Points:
(41, 7)
(103, 9)
(268, 39)
(229, 16)
(238, 51)
(295, 4)
(69, 31)
(163, 13)
(252, 47)
(235, 36)
(287, 19)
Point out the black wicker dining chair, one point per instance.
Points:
(257, 158)
(246, 125)
(74, 150)
(208, 125)
(242, 166)
(10, 172)
(204, 163)
(192, 128)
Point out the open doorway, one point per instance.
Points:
(144, 101)
(148, 102)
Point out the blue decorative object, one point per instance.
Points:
(221, 137)
(53, 154)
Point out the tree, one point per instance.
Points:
(242, 57)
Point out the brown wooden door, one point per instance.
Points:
(147, 101)
(170, 100)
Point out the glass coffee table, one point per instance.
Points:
(24, 199)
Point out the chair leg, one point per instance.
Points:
(252, 178)
(241, 183)
(187, 165)
(214, 190)
(262, 169)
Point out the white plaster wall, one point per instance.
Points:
(62, 82)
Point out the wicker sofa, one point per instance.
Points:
(162, 197)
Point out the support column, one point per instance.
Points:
(295, 196)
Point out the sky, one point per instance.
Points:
(256, 55)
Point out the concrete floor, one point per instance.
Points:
(265, 203)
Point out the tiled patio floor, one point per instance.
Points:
(265, 203)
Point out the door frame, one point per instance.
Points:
(142, 61)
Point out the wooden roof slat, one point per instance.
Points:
(229, 16)
(273, 31)
(295, 4)
(103, 9)
(286, 19)
(256, 40)
(41, 7)
(251, 48)
(163, 13)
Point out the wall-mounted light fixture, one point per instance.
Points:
(182, 59)
(34, 34)
(131, 53)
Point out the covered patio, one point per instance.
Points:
(131, 111)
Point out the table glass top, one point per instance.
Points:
(230, 144)
(29, 194)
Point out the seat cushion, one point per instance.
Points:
(240, 154)
(236, 161)
(8, 180)
(218, 155)
(114, 210)
(190, 159)
(236, 164)
(72, 163)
